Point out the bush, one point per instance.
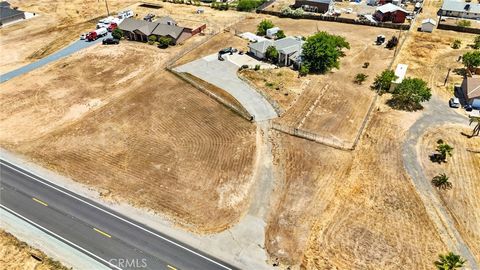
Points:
(360, 78)
(383, 81)
(164, 42)
(392, 43)
(471, 60)
(456, 44)
(272, 54)
(322, 51)
(249, 5)
(304, 70)
(257, 67)
(464, 23)
(288, 12)
(152, 39)
(476, 42)
(263, 26)
(117, 33)
(280, 34)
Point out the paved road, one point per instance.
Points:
(72, 48)
(223, 74)
(436, 113)
(99, 232)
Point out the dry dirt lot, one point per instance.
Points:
(17, 255)
(357, 209)
(463, 169)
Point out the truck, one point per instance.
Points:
(125, 14)
(112, 27)
(105, 22)
(94, 35)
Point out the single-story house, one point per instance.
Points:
(400, 73)
(140, 30)
(320, 6)
(471, 88)
(390, 12)
(460, 9)
(428, 25)
(289, 50)
(8, 14)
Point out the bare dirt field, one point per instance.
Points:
(363, 210)
(17, 255)
(463, 169)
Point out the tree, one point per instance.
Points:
(263, 26)
(392, 43)
(360, 78)
(280, 34)
(471, 60)
(117, 33)
(464, 23)
(476, 43)
(248, 5)
(456, 44)
(321, 52)
(164, 42)
(441, 181)
(449, 261)
(152, 39)
(410, 93)
(383, 81)
(443, 150)
(272, 54)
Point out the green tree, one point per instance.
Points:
(441, 181)
(280, 34)
(272, 54)
(456, 44)
(322, 51)
(360, 78)
(164, 42)
(410, 93)
(449, 261)
(152, 39)
(443, 150)
(117, 33)
(263, 26)
(476, 42)
(471, 60)
(248, 5)
(383, 81)
(464, 23)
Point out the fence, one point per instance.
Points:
(458, 28)
(335, 19)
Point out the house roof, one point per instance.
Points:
(130, 24)
(400, 72)
(4, 4)
(168, 30)
(472, 87)
(149, 28)
(390, 8)
(461, 6)
(430, 21)
(261, 46)
(289, 45)
(7, 12)
(165, 20)
(319, 1)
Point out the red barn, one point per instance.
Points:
(390, 12)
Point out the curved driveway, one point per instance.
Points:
(436, 113)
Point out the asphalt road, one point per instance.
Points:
(72, 48)
(105, 235)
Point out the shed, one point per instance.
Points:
(400, 73)
(390, 12)
(320, 6)
(270, 33)
(428, 25)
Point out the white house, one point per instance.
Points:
(460, 9)
(289, 50)
(428, 25)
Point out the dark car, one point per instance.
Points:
(468, 108)
(110, 41)
(454, 103)
(229, 50)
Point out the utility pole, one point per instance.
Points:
(106, 5)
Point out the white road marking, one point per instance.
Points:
(111, 214)
(59, 237)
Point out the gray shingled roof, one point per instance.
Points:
(6, 12)
(460, 6)
(130, 24)
(320, 1)
(261, 46)
(168, 30)
(149, 28)
(165, 20)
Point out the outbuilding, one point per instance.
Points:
(428, 25)
(400, 73)
(320, 6)
(272, 32)
(390, 12)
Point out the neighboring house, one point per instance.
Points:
(8, 14)
(400, 73)
(140, 30)
(471, 88)
(320, 6)
(289, 50)
(428, 25)
(390, 12)
(460, 9)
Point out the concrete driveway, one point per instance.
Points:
(72, 48)
(223, 74)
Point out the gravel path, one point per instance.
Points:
(437, 113)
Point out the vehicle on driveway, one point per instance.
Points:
(468, 108)
(112, 27)
(229, 50)
(454, 103)
(108, 41)
(97, 34)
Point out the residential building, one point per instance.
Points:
(428, 25)
(289, 50)
(470, 88)
(320, 6)
(9, 14)
(460, 9)
(390, 12)
(140, 30)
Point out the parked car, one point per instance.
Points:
(454, 103)
(229, 50)
(83, 36)
(468, 108)
(110, 41)
(220, 57)
(112, 27)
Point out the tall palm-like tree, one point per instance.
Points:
(441, 181)
(449, 261)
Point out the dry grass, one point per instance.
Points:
(17, 255)
(463, 169)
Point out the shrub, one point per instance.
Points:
(272, 54)
(464, 23)
(392, 43)
(476, 42)
(471, 60)
(383, 81)
(164, 42)
(248, 5)
(117, 33)
(152, 39)
(456, 44)
(360, 78)
(257, 67)
(304, 70)
(280, 34)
